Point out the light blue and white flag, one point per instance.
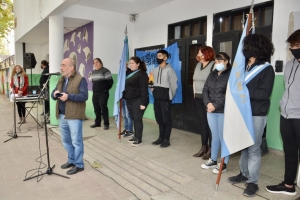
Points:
(121, 81)
(238, 124)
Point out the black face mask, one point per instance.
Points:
(296, 53)
(159, 61)
(247, 53)
(41, 67)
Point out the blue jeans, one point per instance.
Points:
(216, 125)
(71, 136)
(250, 157)
(126, 116)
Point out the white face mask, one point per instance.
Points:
(220, 67)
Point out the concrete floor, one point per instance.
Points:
(119, 170)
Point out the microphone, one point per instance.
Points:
(49, 74)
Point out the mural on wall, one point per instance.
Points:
(79, 45)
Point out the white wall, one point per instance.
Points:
(40, 53)
(109, 34)
(282, 10)
(151, 26)
(30, 12)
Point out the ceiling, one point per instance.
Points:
(124, 6)
(40, 33)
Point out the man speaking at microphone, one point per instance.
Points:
(71, 93)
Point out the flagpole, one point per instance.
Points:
(120, 102)
(248, 28)
(220, 173)
(120, 119)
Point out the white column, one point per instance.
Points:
(56, 54)
(209, 33)
(56, 40)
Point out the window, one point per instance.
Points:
(226, 47)
(177, 32)
(224, 24)
(186, 29)
(196, 29)
(267, 14)
(204, 28)
(237, 21)
(232, 20)
(193, 51)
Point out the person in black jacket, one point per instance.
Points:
(102, 82)
(214, 98)
(43, 80)
(137, 97)
(259, 79)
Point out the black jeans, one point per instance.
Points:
(133, 106)
(290, 133)
(202, 116)
(100, 107)
(162, 110)
(21, 109)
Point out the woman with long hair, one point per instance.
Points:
(206, 56)
(19, 85)
(214, 93)
(137, 97)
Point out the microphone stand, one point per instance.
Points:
(49, 169)
(15, 136)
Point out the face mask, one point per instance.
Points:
(159, 61)
(41, 67)
(247, 53)
(296, 53)
(220, 67)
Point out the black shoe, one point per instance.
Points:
(136, 143)
(42, 113)
(74, 170)
(165, 144)
(67, 165)
(106, 127)
(250, 190)
(132, 139)
(158, 141)
(237, 179)
(128, 134)
(281, 188)
(123, 132)
(95, 125)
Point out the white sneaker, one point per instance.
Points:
(209, 164)
(216, 170)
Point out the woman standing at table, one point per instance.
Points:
(19, 85)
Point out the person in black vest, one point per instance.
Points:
(102, 82)
(43, 80)
(137, 97)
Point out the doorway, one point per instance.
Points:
(183, 115)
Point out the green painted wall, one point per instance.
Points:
(273, 130)
(35, 79)
(89, 105)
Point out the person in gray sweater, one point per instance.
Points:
(164, 90)
(290, 119)
(204, 67)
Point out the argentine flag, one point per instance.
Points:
(121, 81)
(238, 131)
